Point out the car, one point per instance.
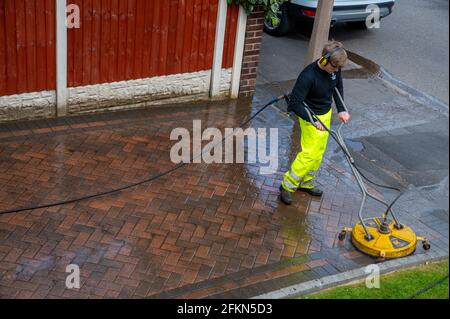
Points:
(353, 12)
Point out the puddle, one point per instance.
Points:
(294, 224)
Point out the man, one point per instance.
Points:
(316, 87)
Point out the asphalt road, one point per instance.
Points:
(412, 44)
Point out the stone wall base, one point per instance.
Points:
(123, 95)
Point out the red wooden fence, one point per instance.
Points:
(27, 46)
(118, 40)
(230, 36)
(133, 39)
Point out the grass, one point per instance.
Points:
(399, 285)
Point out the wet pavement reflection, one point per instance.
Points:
(218, 225)
(202, 221)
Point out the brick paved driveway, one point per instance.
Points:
(204, 231)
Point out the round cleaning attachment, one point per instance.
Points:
(388, 240)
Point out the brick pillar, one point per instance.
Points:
(252, 47)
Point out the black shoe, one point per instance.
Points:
(312, 191)
(285, 196)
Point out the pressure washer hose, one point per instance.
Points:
(148, 180)
(177, 167)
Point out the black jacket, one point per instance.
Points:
(316, 87)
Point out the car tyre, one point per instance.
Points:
(306, 28)
(282, 28)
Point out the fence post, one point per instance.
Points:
(321, 30)
(61, 58)
(238, 52)
(216, 71)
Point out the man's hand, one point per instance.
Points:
(319, 126)
(344, 117)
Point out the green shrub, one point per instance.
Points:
(271, 7)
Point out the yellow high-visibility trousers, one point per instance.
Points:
(307, 163)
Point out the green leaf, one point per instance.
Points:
(271, 7)
(275, 21)
(275, 8)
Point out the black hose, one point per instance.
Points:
(424, 290)
(150, 179)
(376, 184)
(17, 210)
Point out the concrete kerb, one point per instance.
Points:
(352, 276)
